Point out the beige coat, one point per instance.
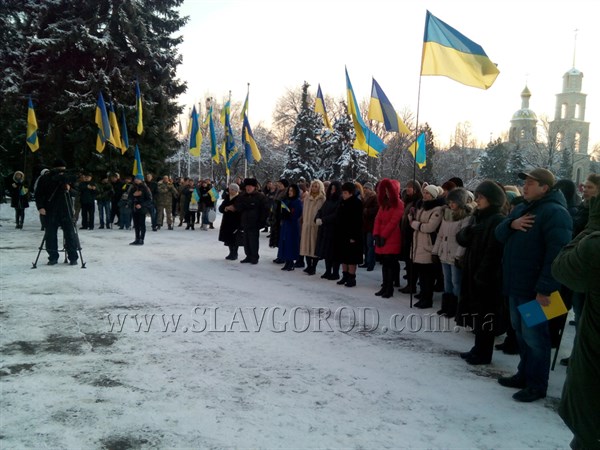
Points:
(308, 237)
(445, 245)
(429, 221)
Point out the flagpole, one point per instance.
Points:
(246, 112)
(226, 155)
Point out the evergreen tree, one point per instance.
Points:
(304, 151)
(76, 48)
(335, 143)
(427, 173)
(350, 164)
(495, 163)
(566, 164)
(516, 165)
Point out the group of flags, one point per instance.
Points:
(446, 52)
(227, 149)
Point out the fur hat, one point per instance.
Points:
(433, 190)
(492, 192)
(251, 182)
(59, 163)
(460, 196)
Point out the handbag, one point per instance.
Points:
(212, 215)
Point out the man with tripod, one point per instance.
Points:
(53, 200)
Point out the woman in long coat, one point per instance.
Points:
(19, 197)
(325, 220)
(289, 235)
(347, 240)
(308, 239)
(230, 232)
(481, 302)
(425, 222)
(386, 233)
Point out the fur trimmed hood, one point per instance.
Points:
(388, 193)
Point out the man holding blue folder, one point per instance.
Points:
(533, 234)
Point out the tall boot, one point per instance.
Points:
(384, 278)
(351, 281)
(344, 278)
(315, 261)
(446, 298)
(233, 253)
(452, 306)
(327, 274)
(335, 271)
(388, 284)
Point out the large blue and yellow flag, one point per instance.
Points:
(213, 136)
(366, 140)
(320, 108)
(244, 112)
(124, 134)
(138, 109)
(114, 127)
(214, 194)
(32, 137)
(229, 148)
(250, 148)
(381, 110)
(104, 131)
(195, 134)
(449, 53)
(137, 171)
(417, 150)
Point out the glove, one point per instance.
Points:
(435, 259)
(458, 262)
(319, 222)
(415, 225)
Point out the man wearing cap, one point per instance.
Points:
(254, 209)
(53, 201)
(533, 234)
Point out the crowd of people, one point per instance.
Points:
(488, 250)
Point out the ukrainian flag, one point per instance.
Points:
(195, 134)
(381, 110)
(125, 135)
(213, 137)
(138, 107)
(417, 150)
(32, 136)
(137, 171)
(250, 147)
(214, 194)
(114, 126)
(104, 131)
(365, 140)
(320, 108)
(449, 53)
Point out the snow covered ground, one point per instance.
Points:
(231, 376)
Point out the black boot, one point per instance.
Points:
(299, 263)
(233, 253)
(390, 273)
(445, 310)
(312, 266)
(344, 278)
(452, 306)
(351, 281)
(289, 266)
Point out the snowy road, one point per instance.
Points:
(249, 358)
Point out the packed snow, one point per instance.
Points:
(249, 364)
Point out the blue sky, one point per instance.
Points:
(276, 45)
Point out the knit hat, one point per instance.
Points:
(368, 185)
(492, 192)
(433, 190)
(459, 196)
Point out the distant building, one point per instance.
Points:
(569, 131)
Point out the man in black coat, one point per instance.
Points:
(254, 209)
(53, 200)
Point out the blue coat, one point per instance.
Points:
(289, 234)
(528, 256)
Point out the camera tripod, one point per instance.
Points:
(75, 234)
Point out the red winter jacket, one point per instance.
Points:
(387, 221)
